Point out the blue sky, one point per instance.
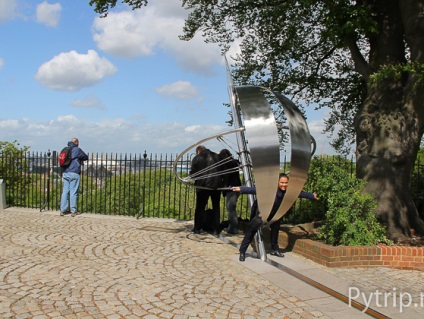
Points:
(121, 84)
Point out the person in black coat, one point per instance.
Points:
(256, 220)
(230, 179)
(205, 164)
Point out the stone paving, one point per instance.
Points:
(96, 266)
(370, 279)
(93, 266)
(392, 287)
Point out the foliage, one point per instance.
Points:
(350, 215)
(300, 48)
(103, 6)
(326, 174)
(396, 71)
(351, 219)
(418, 183)
(14, 170)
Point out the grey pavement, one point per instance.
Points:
(96, 266)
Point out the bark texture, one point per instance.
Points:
(389, 125)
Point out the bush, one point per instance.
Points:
(14, 169)
(417, 188)
(351, 219)
(350, 215)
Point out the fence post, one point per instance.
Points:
(2, 194)
(144, 184)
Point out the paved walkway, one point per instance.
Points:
(95, 266)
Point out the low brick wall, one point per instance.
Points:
(401, 257)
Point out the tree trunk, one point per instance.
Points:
(390, 123)
(388, 139)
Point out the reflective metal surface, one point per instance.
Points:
(262, 136)
(300, 154)
(244, 153)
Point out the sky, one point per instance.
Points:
(121, 84)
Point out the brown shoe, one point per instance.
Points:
(75, 214)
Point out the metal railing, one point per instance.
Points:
(131, 184)
(113, 184)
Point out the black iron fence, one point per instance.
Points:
(133, 185)
(111, 184)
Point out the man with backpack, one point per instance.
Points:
(71, 179)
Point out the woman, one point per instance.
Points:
(256, 220)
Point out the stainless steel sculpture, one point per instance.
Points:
(259, 152)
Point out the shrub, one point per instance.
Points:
(350, 215)
(14, 169)
(351, 219)
(417, 188)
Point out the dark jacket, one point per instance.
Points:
(279, 196)
(78, 156)
(200, 162)
(233, 178)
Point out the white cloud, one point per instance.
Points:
(10, 124)
(323, 147)
(170, 8)
(8, 10)
(48, 14)
(182, 90)
(316, 128)
(1, 63)
(90, 101)
(139, 33)
(192, 128)
(126, 34)
(109, 136)
(72, 71)
(124, 136)
(67, 118)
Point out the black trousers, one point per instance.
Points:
(202, 198)
(254, 225)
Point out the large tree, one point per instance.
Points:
(362, 59)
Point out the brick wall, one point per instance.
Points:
(400, 257)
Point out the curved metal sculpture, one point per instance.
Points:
(300, 154)
(264, 151)
(262, 134)
(201, 174)
(257, 139)
(261, 130)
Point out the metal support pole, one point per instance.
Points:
(260, 245)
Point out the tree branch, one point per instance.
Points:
(316, 69)
(361, 65)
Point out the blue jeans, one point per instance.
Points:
(231, 203)
(71, 183)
